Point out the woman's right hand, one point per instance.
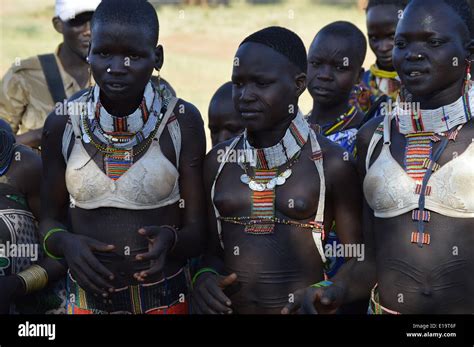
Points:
(86, 270)
(208, 294)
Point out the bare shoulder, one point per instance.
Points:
(187, 114)
(214, 158)
(365, 133)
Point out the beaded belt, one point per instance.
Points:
(135, 299)
(374, 304)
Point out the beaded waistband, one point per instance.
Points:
(135, 299)
(247, 220)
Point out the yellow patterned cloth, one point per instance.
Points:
(25, 100)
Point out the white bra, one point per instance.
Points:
(150, 183)
(390, 191)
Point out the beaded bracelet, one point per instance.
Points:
(322, 284)
(203, 270)
(48, 234)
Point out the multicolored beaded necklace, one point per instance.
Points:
(340, 123)
(266, 177)
(383, 82)
(421, 130)
(119, 154)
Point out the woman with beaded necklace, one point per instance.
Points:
(270, 207)
(127, 161)
(417, 164)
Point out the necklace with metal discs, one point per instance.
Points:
(272, 183)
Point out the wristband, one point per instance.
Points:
(203, 270)
(48, 234)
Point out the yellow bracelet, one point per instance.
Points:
(48, 234)
(35, 278)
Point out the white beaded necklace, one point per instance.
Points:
(438, 120)
(271, 157)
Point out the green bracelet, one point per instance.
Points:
(48, 234)
(322, 284)
(203, 270)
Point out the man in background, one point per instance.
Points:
(32, 87)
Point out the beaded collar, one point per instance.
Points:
(131, 123)
(439, 120)
(271, 157)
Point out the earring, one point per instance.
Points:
(108, 70)
(87, 60)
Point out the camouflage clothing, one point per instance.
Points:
(25, 100)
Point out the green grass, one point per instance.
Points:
(199, 42)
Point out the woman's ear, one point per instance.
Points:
(300, 82)
(58, 24)
(159, 57)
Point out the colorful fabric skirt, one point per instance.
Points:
(168, 296)
(374, 304)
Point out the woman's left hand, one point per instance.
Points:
(160, 241)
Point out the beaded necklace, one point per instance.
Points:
(7, 147)
(383, 82)
(440, 120)
(119, 156)
(265, 179)
(339, 124)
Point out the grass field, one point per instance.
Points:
(199, 42)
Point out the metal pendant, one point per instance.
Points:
(287, 173)
(280, 180)
(256, 187)
(86, 138)
(245, 179)
(272, 183)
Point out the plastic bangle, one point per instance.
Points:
(203, 270)
(48, 234)
(322, 284)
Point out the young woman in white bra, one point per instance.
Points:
(417, 165)
(126, 168)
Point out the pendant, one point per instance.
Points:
(245, 179)
(271, 184)
(285, 174)
(280, 180)
(86, 138)
(257, 187)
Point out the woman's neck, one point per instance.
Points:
(440, 98)
(121, 108)
(270, 137)
(322, 114)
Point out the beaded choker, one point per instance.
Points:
(271, 157)
(438, 120)
(131, 123)
(383, 82)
